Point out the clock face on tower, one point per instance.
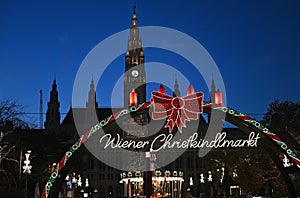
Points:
(134, 73)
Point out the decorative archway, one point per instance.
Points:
(242, 121)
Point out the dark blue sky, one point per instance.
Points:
(254, 43)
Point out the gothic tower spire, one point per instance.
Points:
(92, 102)
(135, 76)
(212, 91)
(176, 92)
(91, 106)
(215, 95)
(134, 18)
(53, 113)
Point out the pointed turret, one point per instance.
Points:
(176, 92)
(134, 41)
(53, 114)
(91, 106)
(212, 91)
(215, 95)
(92, 96)
(134, 18)
(54, 93)
(216, 99)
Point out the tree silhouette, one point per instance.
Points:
(284, 119)
(12, 115)
(12, 119)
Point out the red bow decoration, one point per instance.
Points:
(177, 109)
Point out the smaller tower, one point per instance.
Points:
(212, 91)
(176, 92)
(91, 106)
(53, 114)
(92, 96)
(215, 95)
(215, 98)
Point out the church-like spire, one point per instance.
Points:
(92, 85)
(176, 92)
(54, 93)
(212, 91)
(53, 113)
(215, 95)
(134, 41)
(92, 96)
(134, 18)
(54, 86)
(91, 106)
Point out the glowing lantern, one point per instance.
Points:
(190, 90)
(161, 89)
(218, 98)
(133, 98)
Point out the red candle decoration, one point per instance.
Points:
(190, 90)
(161, 89)
(133, 98)
(218, 98)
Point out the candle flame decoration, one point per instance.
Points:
(133, 98)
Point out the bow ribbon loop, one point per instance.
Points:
(178, 110)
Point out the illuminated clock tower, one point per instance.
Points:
(135, 76)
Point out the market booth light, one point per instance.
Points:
(167, 182)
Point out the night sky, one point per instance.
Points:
(254, 43)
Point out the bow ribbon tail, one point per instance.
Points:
(184, 117)
(177, 117)
(170, 124)
(181, 119)
(172, 119)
